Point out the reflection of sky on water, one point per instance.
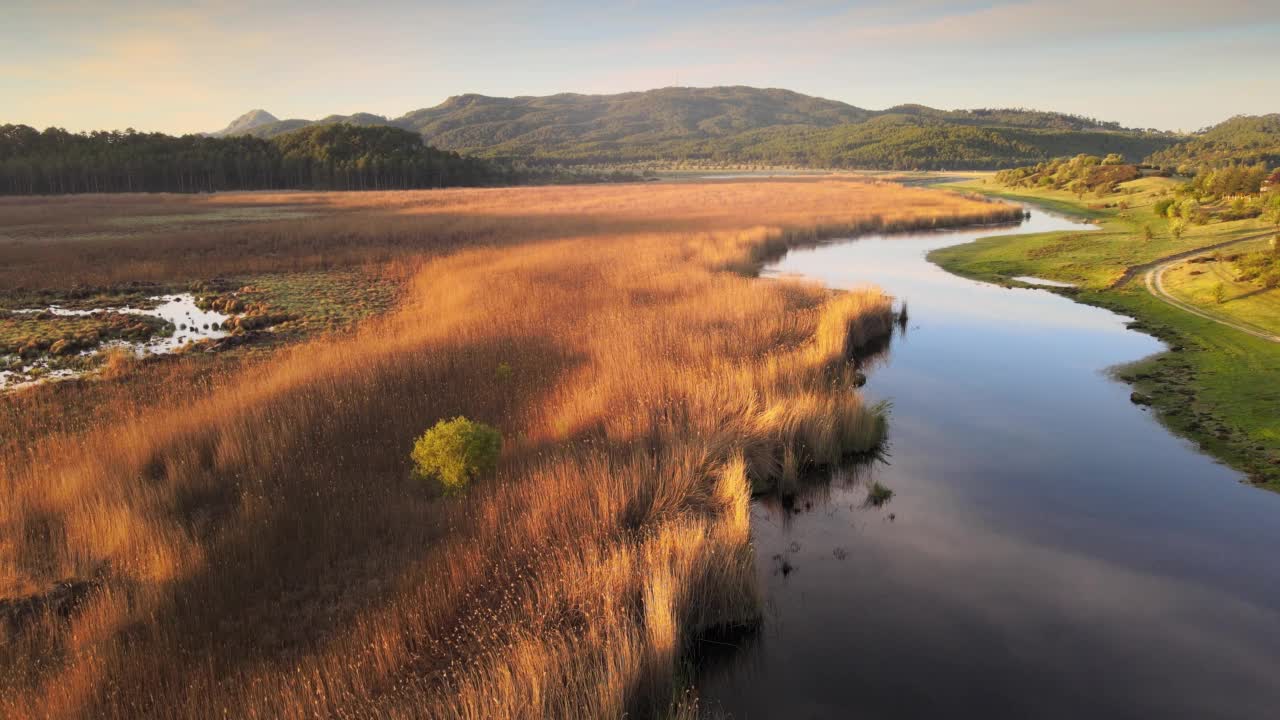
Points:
(1054, 552)
(190, 324)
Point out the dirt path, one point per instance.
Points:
(1134, 270)
(1154, 280)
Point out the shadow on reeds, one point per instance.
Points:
(262, 527)
(720, 648)
(812, 485)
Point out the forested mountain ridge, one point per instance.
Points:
(751, 125)
(1244, 139)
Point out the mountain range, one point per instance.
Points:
(746, 125)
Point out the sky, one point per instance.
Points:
(193, 67)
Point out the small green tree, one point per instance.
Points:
(1219, 293)
(456, 452)
(1147, 233)
(1176, 228)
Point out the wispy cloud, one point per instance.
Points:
(193, 66)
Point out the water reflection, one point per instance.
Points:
(186, 323)
(1049, 550)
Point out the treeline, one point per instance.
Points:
(885, 143)
(1080, 174)
(1242, 140)
(329, 157)
(1230, 180)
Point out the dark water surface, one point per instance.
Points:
(1049, 551)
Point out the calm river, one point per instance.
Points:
(1049, 550)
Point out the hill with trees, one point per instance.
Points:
(1242, 140)
(247, 123)
(1079, 174)
(751, 125)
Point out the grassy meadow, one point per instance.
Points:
(1217, 386)
(240, 534)
(1199, 283)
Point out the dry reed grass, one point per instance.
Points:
(261, 551)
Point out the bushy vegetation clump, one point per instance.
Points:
(1262, 268)
(1233, 179)
(457, 451)
(1079, 174)
(1232, 192)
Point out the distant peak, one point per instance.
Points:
(464, 100)
(247, 122)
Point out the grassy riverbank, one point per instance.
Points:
(1216, 384)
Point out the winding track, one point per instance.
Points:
(1154, 280)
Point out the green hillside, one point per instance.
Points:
(1247, 139)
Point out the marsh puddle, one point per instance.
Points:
(1048, 550)
(189, 324)
(1033, 280)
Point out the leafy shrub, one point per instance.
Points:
(503, 372)
(456, 452)
(878, 495)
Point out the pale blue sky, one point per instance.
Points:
(187, 67)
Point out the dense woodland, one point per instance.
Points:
(1243, 140)
(338, 157)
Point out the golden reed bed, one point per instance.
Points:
(249, 537)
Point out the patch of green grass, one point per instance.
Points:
(1094, 258)
(1248, 302)
(39, 334)
(213, 215)
(85, 298)
(878, 494)
(292, 305)
(321, 301)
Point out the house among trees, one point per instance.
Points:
(1272, 182)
